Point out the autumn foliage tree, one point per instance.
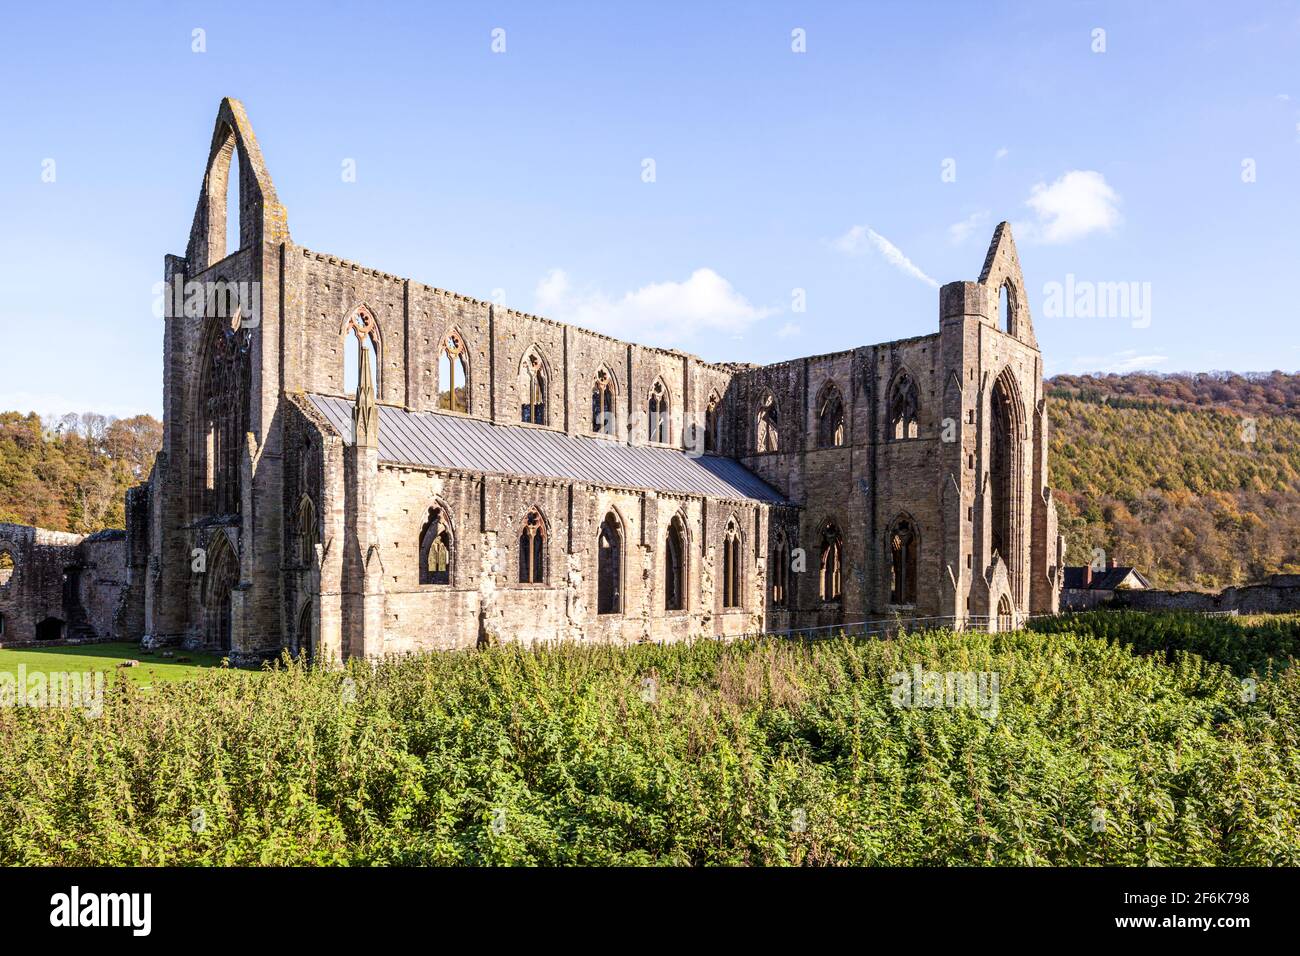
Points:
(1194, 479)
(71, 473)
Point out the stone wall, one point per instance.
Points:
(63, 586)
(1280, 594)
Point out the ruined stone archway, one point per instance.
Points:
(1006, 619)
(1006, 479)
(306, 648)
(221, 578)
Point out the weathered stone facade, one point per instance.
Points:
(907, 478)
(63, 587)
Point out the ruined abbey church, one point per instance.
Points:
(358, 464)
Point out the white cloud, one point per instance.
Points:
(858, 238)
(1129, 360)
(959, 232)
(789, 330)
(1079, 203)
(1001, 153)
(666, 313)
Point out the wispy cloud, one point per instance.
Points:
(789, 330)
(860, 238)
(1001, 153)
(1081, 202)
(959, 232)
(1128, 360)
(665, 313)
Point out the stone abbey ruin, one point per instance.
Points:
(358, 464)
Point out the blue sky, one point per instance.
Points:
(861, 171)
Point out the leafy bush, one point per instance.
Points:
(1249, 646)
(765, 752)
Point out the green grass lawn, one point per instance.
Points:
(106, 657)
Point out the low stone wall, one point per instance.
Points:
(71, 642)
(1280, 594)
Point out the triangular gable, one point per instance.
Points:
(1002, 267)
(262, 218)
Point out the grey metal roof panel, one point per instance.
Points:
(460, 443)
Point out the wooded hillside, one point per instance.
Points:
(1194, 479)
(71, 473)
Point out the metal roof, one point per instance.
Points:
(461, 443)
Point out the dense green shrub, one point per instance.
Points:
(763, 752)
(1248, 645)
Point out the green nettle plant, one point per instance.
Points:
(1118, 740)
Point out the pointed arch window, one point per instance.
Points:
(532, 390)
(609, 567)
(225, 195)
(904, 408)
(902, 562)
(1006, 615)
(233, 198)
(675, 566)
(436, 548)
(602, 403)
(307, 532)
(532, 549)
(830, 418)
(220, 425)
(713, 425)
(453, 377)
(731, 568)
(658, 413)
(768, 425)
(360, 344)
(831, 577)
(780, 571)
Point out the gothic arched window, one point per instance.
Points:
(768, 425)
(658, 413)
(532, 390)
(731, 568)
(904, 408)
(902, 562)
(436, 548)
(360, 344)
(532, 549)
(602, 404)
(453, 376)
(831, 578)
(308, 534)
(713, 424)
(830, 418)
(220, 422)
(780, 571)
(609, 567)
(675, 566)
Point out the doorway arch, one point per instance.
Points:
(221, 578)
(305, 641)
